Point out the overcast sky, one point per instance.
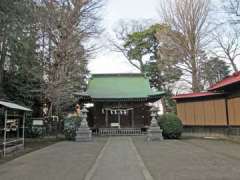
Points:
(114, 11)
(127, 10)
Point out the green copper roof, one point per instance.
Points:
(118, 86)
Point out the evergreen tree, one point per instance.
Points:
(150, 51)
(20, 69)
(213, 70)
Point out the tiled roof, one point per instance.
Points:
(229, 80)
(117, 86)
(195, 95)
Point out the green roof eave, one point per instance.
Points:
(119, 87)
(152, 97)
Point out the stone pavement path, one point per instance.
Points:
(115, 158)
(119, 160)
(61, 161)
(190, 159)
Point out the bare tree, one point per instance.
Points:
(190, 19)
(227, 46)
(233, 7)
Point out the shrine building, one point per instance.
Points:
(119, 100)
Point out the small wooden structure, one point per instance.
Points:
(219, 106)
(121, 101)
(12, 120)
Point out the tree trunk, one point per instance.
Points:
(195, 79)
(2, 95)
(234, 66)
(164, 105)
(2, 61)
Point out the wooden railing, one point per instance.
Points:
(11, 146)
(118, 132)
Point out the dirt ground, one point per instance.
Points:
(190, 159)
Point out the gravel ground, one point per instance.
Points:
(61, 161)
(190, 159)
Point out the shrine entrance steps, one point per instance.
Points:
(118, 132)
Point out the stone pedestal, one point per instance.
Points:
(83, 133)
(154, 132)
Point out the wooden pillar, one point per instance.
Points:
(132, 118)
(23, 128)
(94, 115)
(106, 118)
(227, 112)
(119, 119)
(18, 128)
(5, 132)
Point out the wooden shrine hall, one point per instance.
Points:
(119, 100)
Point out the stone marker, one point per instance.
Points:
(154, 132)
(83, 133)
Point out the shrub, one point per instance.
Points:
(70, 126)
(35, 132)
(171, 126)
(70, 133)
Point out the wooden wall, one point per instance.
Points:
(234, 111)
(203, 112)
(96, 118)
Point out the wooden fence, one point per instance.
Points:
(234, 111)
(210, 112)
(118, 132)
(203, 112)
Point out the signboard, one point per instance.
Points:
(115, 125)
(38, 122)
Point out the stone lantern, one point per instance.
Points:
(83, 133)
(154, 132)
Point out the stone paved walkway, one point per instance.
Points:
(190, 159)
(116, 158)
(119, 160)
(61, 161)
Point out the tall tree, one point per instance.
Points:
(19, 65)
(163, 78)
(188, 17)
(151, 53)
(129, 34)
(226, 37)
(213, 70)
(65, 28)
(227, 46)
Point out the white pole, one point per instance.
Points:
(5, 133)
